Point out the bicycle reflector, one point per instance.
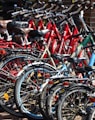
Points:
(66, 84)
(6, 96)
(3, 52)
(39, 75)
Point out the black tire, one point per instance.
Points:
(91, 114)
(23, 86)
(8, 106)
(51, 101)
(69, 104)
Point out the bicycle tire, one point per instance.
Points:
(51, 101)
(19, 86)
(4, 104)
(91, 115)
(55, 92)
(62, 102)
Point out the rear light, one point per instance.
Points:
(66, 84)
(92, 99)
(3, 52)
(51, 82)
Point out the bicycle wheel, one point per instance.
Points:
(15, 62)
(7, 97)
(91, 115)
(55, 92)
(7, 87)
(42, 100)
(51, 101)
(27, 89)
(72, 105)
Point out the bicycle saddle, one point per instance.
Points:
(84, 69)
(76, 60)
(37, 33)
(89, 68)
(13, 29)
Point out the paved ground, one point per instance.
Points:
(6, 116)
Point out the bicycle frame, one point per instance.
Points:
(92, 60)
(84, 43)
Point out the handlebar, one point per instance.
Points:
(76, 12)
(68, 9)
(20, 12)
(77, 5)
